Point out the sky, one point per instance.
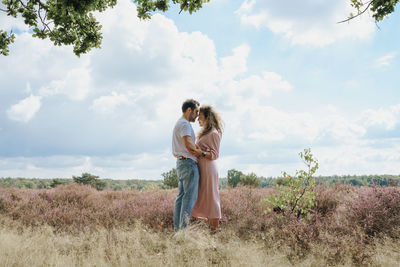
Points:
(284, 76)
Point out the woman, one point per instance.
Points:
(207, 205)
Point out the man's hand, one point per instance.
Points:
(191, 147)
(198, 153)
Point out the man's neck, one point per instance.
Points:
(186, 117)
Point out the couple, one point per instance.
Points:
(196, 167)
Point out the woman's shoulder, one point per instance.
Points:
(214, 132)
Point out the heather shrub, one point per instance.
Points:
(342, 244)
(326, 201)
(297, 234)
(76, 208)
(3, 206)
(242, 207)
(376, 210)
(4, 195)
(154, 208)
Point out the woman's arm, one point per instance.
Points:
(213, 152)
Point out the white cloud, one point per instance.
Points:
(386, 117)
(370, 160)
(237, 63)
(386, 60)
(76, 85)
(307, 22)
(265, 125)
(265, 85)
(25, 110)
(108, 104)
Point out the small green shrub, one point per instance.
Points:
(297, 196)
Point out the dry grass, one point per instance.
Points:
(387, 252)
(137, 246)
(141, 246)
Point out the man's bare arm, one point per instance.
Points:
(191, 147)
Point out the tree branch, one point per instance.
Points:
(376, 24)
(359, 13)
(304, 189)
(22, 3)
(43, 20)
(3, 10)
(183, 5)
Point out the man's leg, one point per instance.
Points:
(177, 206)
(190, 184)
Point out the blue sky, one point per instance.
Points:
(283, 74)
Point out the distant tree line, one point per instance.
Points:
(235, 178)
(170, 180)
(360, 180)
(85, 178)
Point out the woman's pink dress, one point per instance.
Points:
(207, 204)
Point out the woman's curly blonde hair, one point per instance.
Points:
(212, 120)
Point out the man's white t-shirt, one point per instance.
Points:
(182, 128)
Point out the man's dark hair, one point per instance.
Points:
(190, 103)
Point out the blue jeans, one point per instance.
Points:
(188, 184)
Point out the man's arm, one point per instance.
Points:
(187, 141)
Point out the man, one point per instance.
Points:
(186, 152)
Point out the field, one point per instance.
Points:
(78, 225)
